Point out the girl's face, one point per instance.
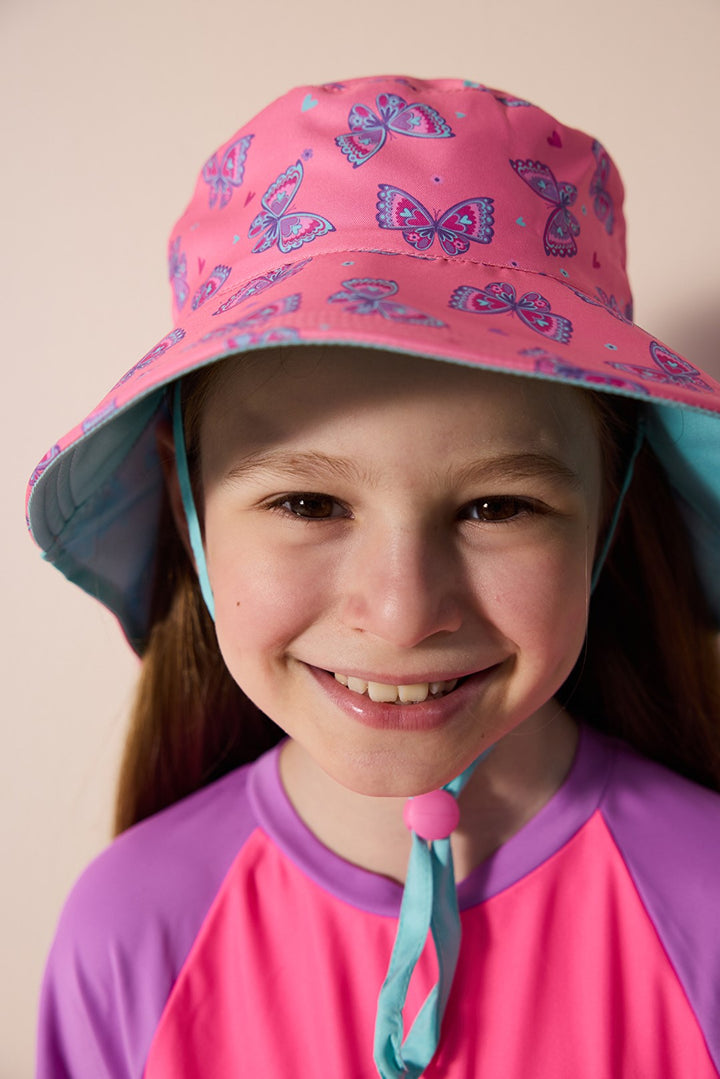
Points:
(400, 553)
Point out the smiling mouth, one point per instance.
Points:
(383, 693)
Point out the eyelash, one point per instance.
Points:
(521, 507)
(281, 505)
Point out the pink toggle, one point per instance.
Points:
(433, 815)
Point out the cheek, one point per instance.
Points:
(263, 600)
(540, 603)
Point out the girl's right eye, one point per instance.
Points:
(502, 509)
(310, 506)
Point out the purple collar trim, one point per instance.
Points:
(549, 830)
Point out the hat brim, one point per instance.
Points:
(93, 501)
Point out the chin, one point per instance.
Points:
(397, 772)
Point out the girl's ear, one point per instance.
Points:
(166, 453)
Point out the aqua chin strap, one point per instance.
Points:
(191, 517)
(627, 480)
(429, 903)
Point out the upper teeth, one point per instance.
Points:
(387, 694)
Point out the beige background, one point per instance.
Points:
(108, 110)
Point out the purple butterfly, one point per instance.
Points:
(252, 319)
(548, 364)
(261, 283)
(670, 369)
(371, 295)
(562, 226)
(369, 131)
(500, 298)
(210, 286)
(470, 220)
(227, 173)
(149, 358)
(277, 225)
(608, 302)
(603, 204)
(162, 346)
(177, 268)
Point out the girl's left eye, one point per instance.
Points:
(501, 508)
(310, 506)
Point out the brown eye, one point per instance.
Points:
(312, 506)
(501, 508)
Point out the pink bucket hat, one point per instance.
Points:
(440, 218)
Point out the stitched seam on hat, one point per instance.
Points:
(449, 259)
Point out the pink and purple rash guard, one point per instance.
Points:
(219, 939)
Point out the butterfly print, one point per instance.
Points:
(562, 226)
(603, 203)
(244, 339)
(670, 368)
(371, 295)
(500, 298)
(369, 131)
(253, 318)
(277, 224)
(504, 99)
(42, 464)
(210, 286)
(177, 269)
(99, 415)
(470, 220)
(224, 175)
(548, 364)
(511, 102)
(608, 302)
(149, 358)
(261, 283)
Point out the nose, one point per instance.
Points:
(403, 585)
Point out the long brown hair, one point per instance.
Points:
(649, 672)
(650, 669)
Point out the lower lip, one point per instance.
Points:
(426, 716)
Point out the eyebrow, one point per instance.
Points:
(295, 463)
(521, 466)
(304, 465)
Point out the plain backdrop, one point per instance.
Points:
(109, 108)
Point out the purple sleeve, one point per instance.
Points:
(126, 930)
(668, 832)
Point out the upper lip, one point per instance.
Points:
(407, 679)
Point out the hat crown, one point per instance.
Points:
(472, 174)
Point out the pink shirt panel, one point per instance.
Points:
(283, 980)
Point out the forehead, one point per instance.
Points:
(360, 396)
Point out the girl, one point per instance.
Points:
(478, 596)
